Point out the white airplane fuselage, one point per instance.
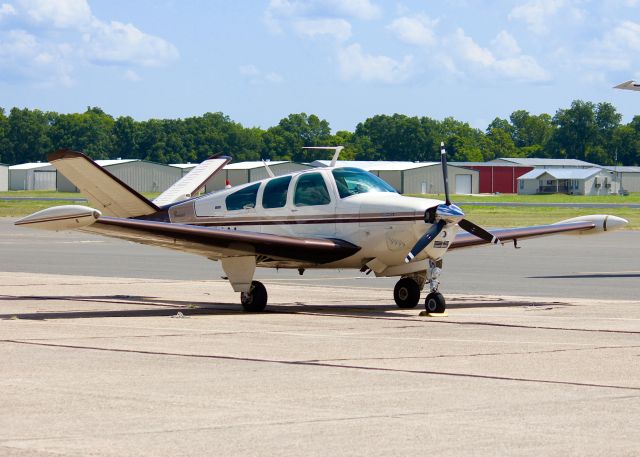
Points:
(384, 224)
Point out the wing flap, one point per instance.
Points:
(215, 243)
(466, 240)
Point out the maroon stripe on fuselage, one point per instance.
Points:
(293, 221)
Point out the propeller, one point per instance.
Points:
(442, 215)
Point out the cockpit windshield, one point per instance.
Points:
(352, 181)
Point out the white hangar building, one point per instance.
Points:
(576, 181)
(416, 177)
(140, 175)
(244, 172)
(32, 176)
(4, 177)
(628, 177)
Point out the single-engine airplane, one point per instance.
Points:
(319, 218)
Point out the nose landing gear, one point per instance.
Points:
(406, 293)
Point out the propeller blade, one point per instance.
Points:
(478, 231)
(445, 173)
(424, 241)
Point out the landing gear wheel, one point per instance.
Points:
(406, 293)
(255, 300)
(434, 303)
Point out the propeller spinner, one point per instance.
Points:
(446, 214)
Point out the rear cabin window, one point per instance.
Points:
(311, 190)
(275, 192)
(243, 199)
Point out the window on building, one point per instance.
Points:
(244, 198)
(275, 192)
(311, 190)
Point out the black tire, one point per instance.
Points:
(406, 293)
(255, 300)
(434, 303)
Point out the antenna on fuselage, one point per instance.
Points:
(269, 172)
(336, 154)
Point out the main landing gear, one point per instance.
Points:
(406, 293)
(255, 300)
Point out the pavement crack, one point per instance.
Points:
(479, 354)
(331, 365)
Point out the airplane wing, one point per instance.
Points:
(577, 226)
(216, 243)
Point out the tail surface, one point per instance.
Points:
(105, 192)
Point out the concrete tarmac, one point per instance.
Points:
(104, 362)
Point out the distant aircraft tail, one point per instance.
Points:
(105, 192)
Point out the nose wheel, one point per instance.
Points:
(435, 303)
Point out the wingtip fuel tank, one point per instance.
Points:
(67, 217)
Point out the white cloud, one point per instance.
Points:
(64, 34)
(505, 45)
(59, 13)
(249, 70)
(417, 30)
(358, 9)
(617, 50)
(118, 43)
(536, 13)
(7, 10)
(470, 51)
(256, 76)
(281, 14)
(24, 57)
(480, 61)
(336, 28)
(625, 36)
(354, 64)
(132, 76)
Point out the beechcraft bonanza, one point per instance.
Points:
(319, 218)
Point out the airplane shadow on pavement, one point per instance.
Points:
(171, 308)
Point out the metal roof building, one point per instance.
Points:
(629, 177)
(587, 181)
(184, 167)
(496, 177)
(140, 175)
(4, 177)
(32, 176)
(244, 172)
(415, 177)
(544, 163)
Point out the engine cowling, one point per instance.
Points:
(57, 218)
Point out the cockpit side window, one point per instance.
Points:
(311, 190)
(275, 192)
(244, 198)
(352, 181)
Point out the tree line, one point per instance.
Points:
(586, 131)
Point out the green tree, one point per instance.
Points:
(27, 135)
(576, 130)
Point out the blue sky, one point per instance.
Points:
(344, 60)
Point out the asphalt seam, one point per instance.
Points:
(330, 365)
